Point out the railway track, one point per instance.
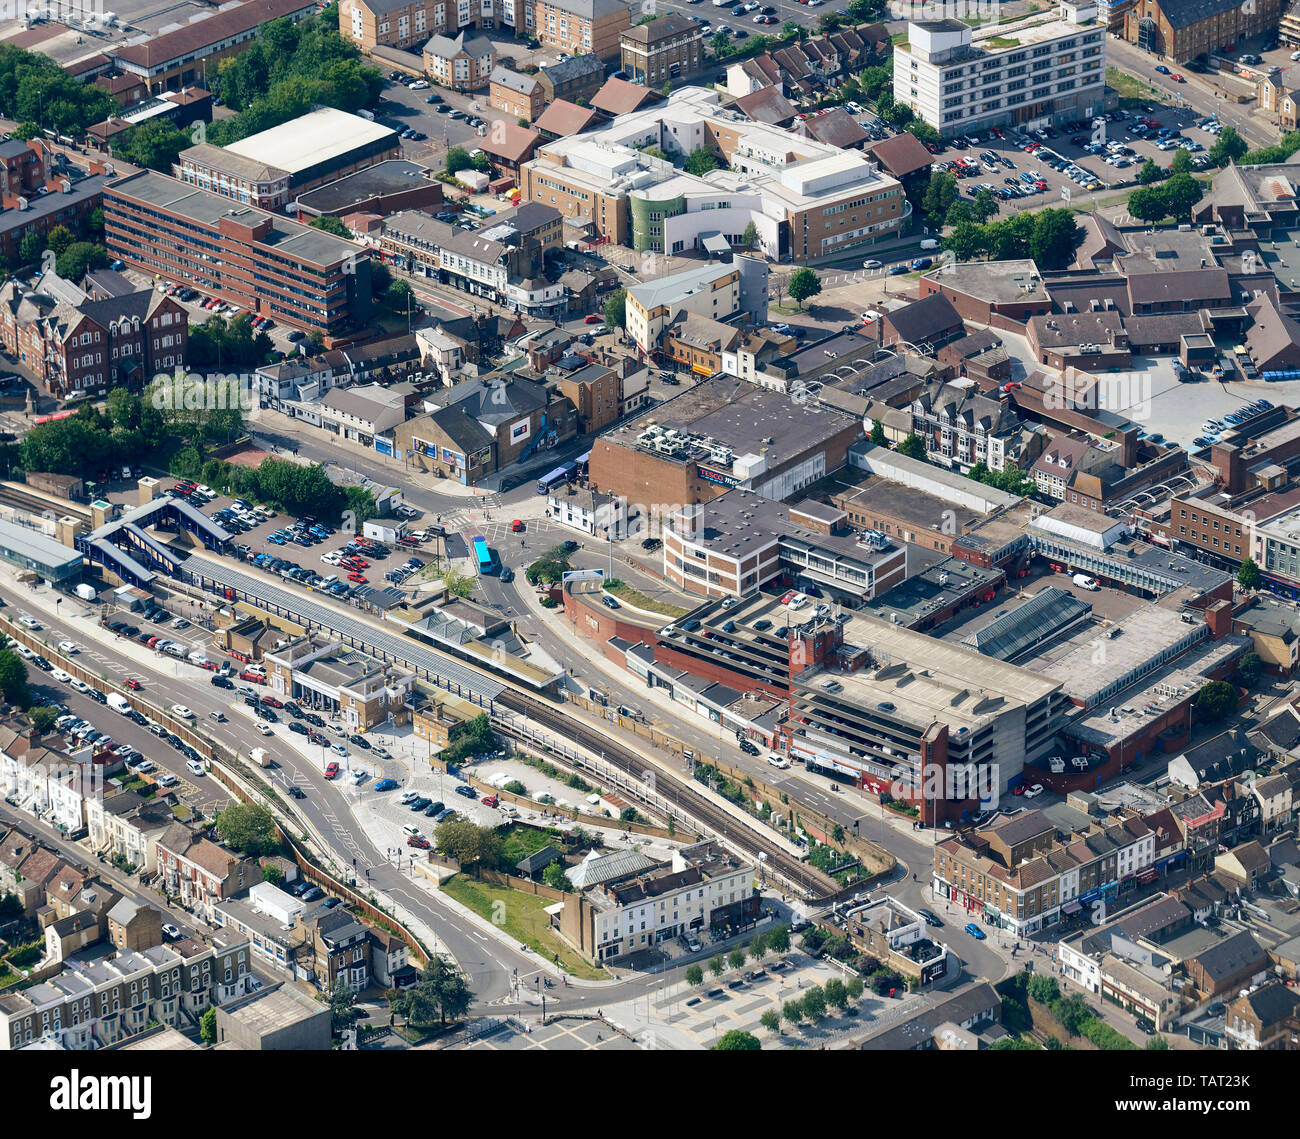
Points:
(814, 885)
(40, 504)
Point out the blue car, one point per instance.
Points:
(975, 931)
(922, 263)
(386, 785)
(1265, 405)
(895, 270)
(276, 540)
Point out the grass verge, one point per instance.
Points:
(638, 599)
(524, 920)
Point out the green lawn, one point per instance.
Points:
(635, 597)
(1130, 87)
(520, 842)
(523, 917)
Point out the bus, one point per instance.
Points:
(549, 482)
(485, 557)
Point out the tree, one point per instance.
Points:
(1181, 162)
(1215, 701)
(967, 239)
(248, 828)
(1182, 192)
(11, 909)
(458, 159)
(1159, 1043)
(814, 1003)
(43, 718)
(466, 843)
(737, 1041)
(778, 939)
(380, 278)
(804, 284)
(331, 225)
(694, 976)
(700, 161)
(79, 258)
(878, 433)
(792, 1011)
(340, 1005)
(716, 965)
(854, 987)
(736, 958)
(837, 996)
(750, 237)
(555, 877)
(913, 447)
(208, 1026)
(59, 238)
(1055, 237)
(1043, 989)
(156, 145)
(985, 206)
(481, 162)
(758, 947)
(1249, 670)
(272, 873)
(771, 1020)
(615, 310)
(1149, 173)
(940, 194)
(441, 990)
(1148, 204)
(1249, 577)
(400, 296)
(1228, 147)
(924, 132)
(30, 249)
(13, 678)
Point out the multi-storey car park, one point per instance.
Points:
(1044, 68)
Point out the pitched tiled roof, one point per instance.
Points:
(563, 118)
(201, 33)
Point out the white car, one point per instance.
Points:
(30, 622)
(358, 777)
(60, 675)
(264, 729)
(871, 264)
(1034, 791)
(778, 761)
(145, 766)
(411, 829)
(206, 491)
(183, 712)
(79, 685)
(798, 601)
(68, 648)
(195, 767)
(168, 780)
(170, 930)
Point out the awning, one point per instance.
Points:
(1071, 908)
(1148, 875)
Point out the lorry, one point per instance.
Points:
(119, 703)
(260, 756)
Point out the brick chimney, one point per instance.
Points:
(1219, 617)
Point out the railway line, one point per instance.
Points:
(814, 885)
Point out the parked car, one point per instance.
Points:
(975, 931)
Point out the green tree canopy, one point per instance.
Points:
(155, 144)
(737, 1041)
(1181, 162)
(458, 159)
(1215, 701)
(13, 678)
(913, 447)
(1248, 576)
(940, 194)
(804, 284)
(615, 310)
(1149, 173)
(1228, 147)
(248, 828)
(700, 161)
(331, 225)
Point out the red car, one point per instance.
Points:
(331, 770)
(133, 684)
(1177, 78)
(357, 578)
(1012, 386)
(490, 800)
(357, 563)
(418, 841)
(271, 702)
(593, 318)
(516, 527)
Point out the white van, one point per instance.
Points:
(118, 702)
(1083, 581)
(930, 243)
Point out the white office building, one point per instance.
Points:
(1044, 68)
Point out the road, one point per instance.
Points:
(1196, 92)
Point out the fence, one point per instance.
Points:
(217, 758)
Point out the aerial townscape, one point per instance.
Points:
(588, 526)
